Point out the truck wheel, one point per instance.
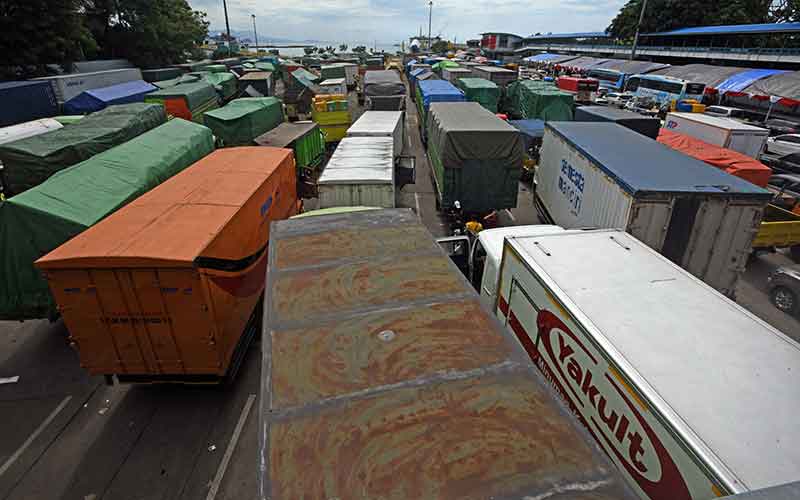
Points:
(784, 299)
(795, 253)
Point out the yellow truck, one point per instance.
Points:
(779, 229)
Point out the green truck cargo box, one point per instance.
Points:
(475, 156)
(305, 138)
(242, 120)
(198, 97)
(329, 71)
(225, 84)
(42, 218)
(30, 161)
(265, 66)
(531, 99)
(216, 68)
(484, 92)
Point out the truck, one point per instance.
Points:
(384, 91)
(359, 173)
(604, 175)
(70, 85)
(584, 89)
(724, 132)
(384, 377)
(645, 125)
(682, 388)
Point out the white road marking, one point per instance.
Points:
(237, 431)
(13, 458)
(416, 201)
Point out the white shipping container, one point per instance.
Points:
(28, 129)
(603, 175)
(350, 73)
(381, 124)
(101, 65)
(722, 132)
(68, 86)
(453, 74)
(689, 394)
(333, 86)
(360, 173)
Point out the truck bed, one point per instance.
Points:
(779, 229)
(384, 377)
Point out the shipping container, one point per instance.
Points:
(25, 101)
(166, 287)
(501, 76)
(257, 84)
(359, 173)
(475, 157)
(684, 389)
(70, 85)
(607, 176)
(79, 197)
(186, 100)
(93, 100)
(722, 132)
(454, 73)
(645, 125)
(584, 89)
(333, 86)
(28, 129)
(381, 124)
(100, 65)
(29, 162)
(157, 75)
(383, 377)
(240, 121)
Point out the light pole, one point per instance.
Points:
(227, 25)
(255, 33)
(638, 26)
(430, 18)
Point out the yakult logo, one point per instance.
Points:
(606, 410)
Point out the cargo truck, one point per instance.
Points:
(604, 175)
(383, 377)
(683, 389)
(723, 132)
(70, 85)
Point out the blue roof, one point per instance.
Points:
(587, 34)
(740, 81)
(97, 99)
(25, 83)
(531, 128)
(438, 91)
(732, 29)
(659, 169)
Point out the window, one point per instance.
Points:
(792, 139)
(503, 41)
(695, 88)
(633, 84)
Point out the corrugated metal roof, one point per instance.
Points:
(557, 36)
(732, 29)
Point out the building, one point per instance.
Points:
(499, 45)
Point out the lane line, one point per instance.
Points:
(13, 458)
(223, 465)
(416, 201)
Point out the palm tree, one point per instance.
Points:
(342, 47)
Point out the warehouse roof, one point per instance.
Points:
(732, 29)
(556, 36)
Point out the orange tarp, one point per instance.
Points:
(733, 162)
(166, 285)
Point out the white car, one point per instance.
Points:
(783, 145)
(618, 99)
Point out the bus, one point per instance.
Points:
(608, 78)
(663, 89)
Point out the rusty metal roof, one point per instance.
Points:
(384, 377)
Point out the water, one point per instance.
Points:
(299, 52)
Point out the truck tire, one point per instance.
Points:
(795, 253)
(784, 299)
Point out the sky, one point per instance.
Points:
(391, 21)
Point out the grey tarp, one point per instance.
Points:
(783, 85)
(29, 162)
(383, 83)
(585, 62)
(707, 74)
(631, 67)
(44, 217)
(476, 157)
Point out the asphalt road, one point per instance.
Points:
(65, 435)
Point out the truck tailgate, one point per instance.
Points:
(779, 228)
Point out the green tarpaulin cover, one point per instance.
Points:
(242, 120)
(305, 77)
(476, 157)
(484, 92)
(224, 83)
(216, 68)
(29, 162)
(41, 219)
(532, 99)
(197, 94)
(265, 66)
(443, 64)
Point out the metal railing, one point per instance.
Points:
(751, 51)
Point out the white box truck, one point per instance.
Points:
(68, 86)
(453, 74)
(333, 86)
(689, 394)
(359, 173)
(722, 132)
(603, 175)
(381, 124)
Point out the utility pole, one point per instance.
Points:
(430, 18)
(638, 27)
(227, 26)
(255, 33)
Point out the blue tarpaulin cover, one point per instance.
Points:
(740, 81)
(409, 63)
(543, 57)
(26, 101)
(531, 128)
(438, 91)
(96, 99)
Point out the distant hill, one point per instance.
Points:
(262, 38)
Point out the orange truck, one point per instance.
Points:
(167, 288)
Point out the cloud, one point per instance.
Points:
(390, 21)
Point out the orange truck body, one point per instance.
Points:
(165, 287)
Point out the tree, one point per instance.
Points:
(343, 47)
(40, 32)
(309, 50)
(359, 49)
(439, 46)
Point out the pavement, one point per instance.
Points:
(66, 435)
